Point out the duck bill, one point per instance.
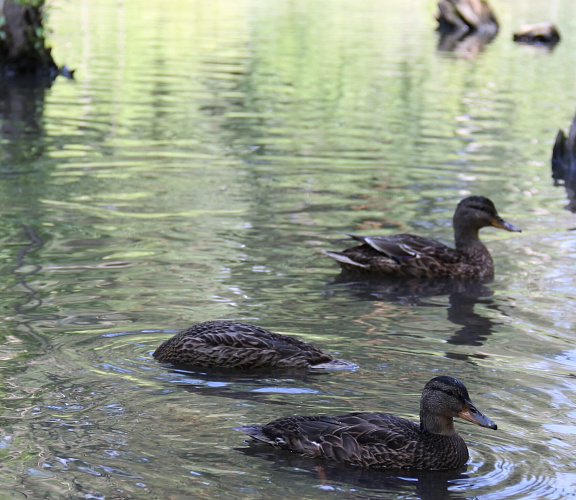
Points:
(474, 415)
(502, 224)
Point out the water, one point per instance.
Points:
(204, 156)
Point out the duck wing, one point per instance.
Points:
(405, 246)
(401, 256)
(367, 439)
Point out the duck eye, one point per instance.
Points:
(478, 207)
(450, 392)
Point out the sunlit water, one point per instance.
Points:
(201, 160)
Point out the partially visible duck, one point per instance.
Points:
(381, 439)
(407, 255)
(230, 344)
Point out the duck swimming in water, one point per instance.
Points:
(411, 256)
(230, 344)
(381, 439)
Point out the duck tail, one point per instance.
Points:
(255, 432)
(340, 257)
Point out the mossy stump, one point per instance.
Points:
(23, 51)
(466, 16)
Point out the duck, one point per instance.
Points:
(411, 256)
(231, 344)
(382, 440)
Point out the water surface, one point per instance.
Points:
(201, 160)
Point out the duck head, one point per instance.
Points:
(443, 399)
(478, 212)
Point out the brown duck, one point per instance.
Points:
(230, 344)
(381, 439)
(407, 255)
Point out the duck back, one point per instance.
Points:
(230, 344)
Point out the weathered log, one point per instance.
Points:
(466, 16)
(541, 33)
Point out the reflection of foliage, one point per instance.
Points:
(37, 4)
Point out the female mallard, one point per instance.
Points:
(381, 439)
(230, 344)
(407, 255)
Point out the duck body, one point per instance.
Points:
(411, 256)
(382, 439)
(366, 439)
(231, 344)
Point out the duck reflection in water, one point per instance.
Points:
(564, 164)
(426, 485)
(463, 295)
(259, 387)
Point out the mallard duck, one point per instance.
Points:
(230, 344)
(381, 439)
(407, 255)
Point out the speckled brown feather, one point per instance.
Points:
(366, 439)
(411, 256)
(230, 344)
(381, 439)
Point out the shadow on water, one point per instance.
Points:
(22, 149)
(427, 485)
(253, 386)
(25, 272)
(21, 127)
(463, 296)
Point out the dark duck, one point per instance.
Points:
(411, 256)
(380, 439)
(234, 345)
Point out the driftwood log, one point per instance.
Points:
(540, 33)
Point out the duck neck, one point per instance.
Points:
(437, 424)
(467, 239)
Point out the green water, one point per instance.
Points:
(202, 158)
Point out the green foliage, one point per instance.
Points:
(32, 3)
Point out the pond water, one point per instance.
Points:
(202, 158)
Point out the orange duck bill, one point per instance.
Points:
(474, 415)
(500, 223)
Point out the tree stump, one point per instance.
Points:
(23, 50)
(466, 16)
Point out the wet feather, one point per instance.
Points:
(231, 344)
